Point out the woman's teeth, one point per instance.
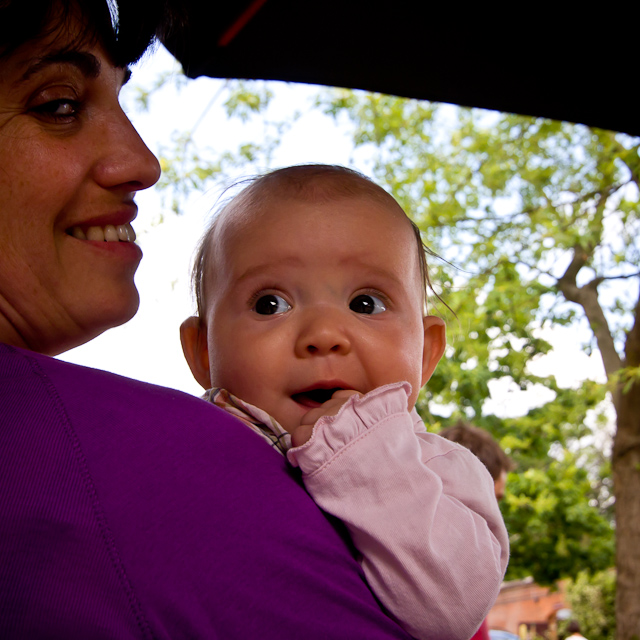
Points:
(108, 233)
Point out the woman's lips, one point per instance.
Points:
(106, 233)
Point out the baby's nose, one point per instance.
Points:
(324, 333)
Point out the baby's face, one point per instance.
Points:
(304, 298)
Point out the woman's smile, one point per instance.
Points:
(107, 233)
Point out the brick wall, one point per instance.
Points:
(522, 602)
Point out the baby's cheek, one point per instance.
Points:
(227, 372)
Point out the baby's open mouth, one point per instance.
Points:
(314, 397)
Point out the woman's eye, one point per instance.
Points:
(270, 305)
(368, 304)
(63, 109)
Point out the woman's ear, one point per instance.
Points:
(193, 336)
(434, 343)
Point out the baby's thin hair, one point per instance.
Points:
(315, 182)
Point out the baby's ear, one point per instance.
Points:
(434, 343)
(193, 335)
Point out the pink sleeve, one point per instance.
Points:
(421, 511)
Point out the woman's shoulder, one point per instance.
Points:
(27, 372)
(139, 496)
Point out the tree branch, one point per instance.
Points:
(620, 277)
(587, 298)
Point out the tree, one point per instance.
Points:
(542, 219)
(592, 602)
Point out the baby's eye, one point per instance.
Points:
(368, 304)
(270, 305)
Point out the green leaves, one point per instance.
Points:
(592, 601)
(554, 532)
(247, 99)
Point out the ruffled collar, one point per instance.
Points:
(256, 419)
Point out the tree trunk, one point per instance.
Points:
(625, 465)
(625, 461)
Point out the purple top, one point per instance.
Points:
(133, 511)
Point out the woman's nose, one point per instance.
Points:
(322, 333)
(125, 160)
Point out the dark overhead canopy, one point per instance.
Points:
(533, 59)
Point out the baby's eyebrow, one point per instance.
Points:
(373, 268)
(259, 269)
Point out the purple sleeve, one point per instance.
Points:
(133, 511)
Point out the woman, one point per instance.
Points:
(126, 510)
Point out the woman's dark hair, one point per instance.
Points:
(125, 28)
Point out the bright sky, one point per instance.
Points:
(148, 347)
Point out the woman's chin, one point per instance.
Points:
(91, 326)
(119, 314)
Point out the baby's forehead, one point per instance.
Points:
(290, 223)
(296, 219)
(251, 213)
(267, 207)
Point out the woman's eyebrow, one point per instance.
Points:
(87, 63)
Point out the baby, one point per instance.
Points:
(311, 328)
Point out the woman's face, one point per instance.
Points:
(70, 164)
